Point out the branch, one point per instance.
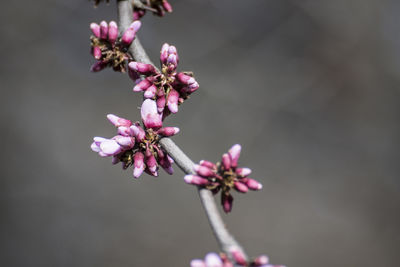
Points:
(226, 241)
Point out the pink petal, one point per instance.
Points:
(213, 260)
(203, 171)
(95, 29)
(117, 121)
(194, 179)
(103, 30)
(242, 188)
(150, 116)
(172, 103)
(168, 131)
(141, 86)
(226, 161)
(110, 147)
(138, 164)
(226, 201)
(112, 31)
(243, 171)
(234, 154)
(150, 92)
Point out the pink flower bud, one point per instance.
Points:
(242, 188)
(142, 68)
(252, 184)
(166, 165)
(261, 260)
(150, 116)
(138, 164)
(239, 257)
(168, 131)
(160, 103)
(130, 33)
(138, 132)
(172, 60)
(103, 30)
(234, 154)
(203, 171)
(152, 165)
(124, 131)
(226, 202)
(195, 180)
(172, 101)
(114, 160)
(185, 79)
(110, 147)
(150, 92)
(164, 53)
(134, 76)
(226, 161)
(167, 6)
(98, 66)
(95, 29)
(243, 171)
(213, 260)
(125, 141)
(117, 121)
(208, 164)
(112, 32)
(142, 86)
(197, 263)
(96, 51)
(95, 147)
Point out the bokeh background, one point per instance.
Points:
(309, 88)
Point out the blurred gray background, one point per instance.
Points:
(309, 88)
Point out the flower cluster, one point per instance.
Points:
(136, 145)
(167, 87)
(214, 260)
(107, 48)
(224, 176)
(158, 7)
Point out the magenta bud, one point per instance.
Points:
(239, 257)
(112, 32)
(103, 30)
(203, 171)
(138, 132)
(208, 164)
(115, 160)
(185, 79)
(164, 53)
(166, 165)
(160, 103)
(110, 147)
(117, 121)
(242, 188)
(125, 141)
(98, 66)
(142, 68)
(167, 6)
(195, 180)
(172, 60)
(152, 165)
(226, 161)
(150, 92)
(130, 33)
(134, 75)
(261, 260)
(135, 25)
(150, 116)
(96, 52)
(138, 165)
(95, 29)
(213, 260)
(252, 184)
(234, 154)
(172, 101)
(168, 131)
(243, 171)
(226, 201)
(197, 263)
(142, 85)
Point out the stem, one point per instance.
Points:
(226, 240)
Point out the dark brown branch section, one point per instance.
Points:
(226, 241)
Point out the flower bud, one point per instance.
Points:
(112, 32)
(103, 30)
(95, 29)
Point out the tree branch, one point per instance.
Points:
(226, 241)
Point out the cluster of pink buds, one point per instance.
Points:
(167, 87)
(136, 145)
(224, 176)
(107, 48)
(158, 7)
(214, 260)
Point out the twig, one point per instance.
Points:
(226, 241)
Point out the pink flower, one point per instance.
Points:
(224, 176)
(138, 145)
(107, 48)
(168, 88)
(214, 260)
(158, 7)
